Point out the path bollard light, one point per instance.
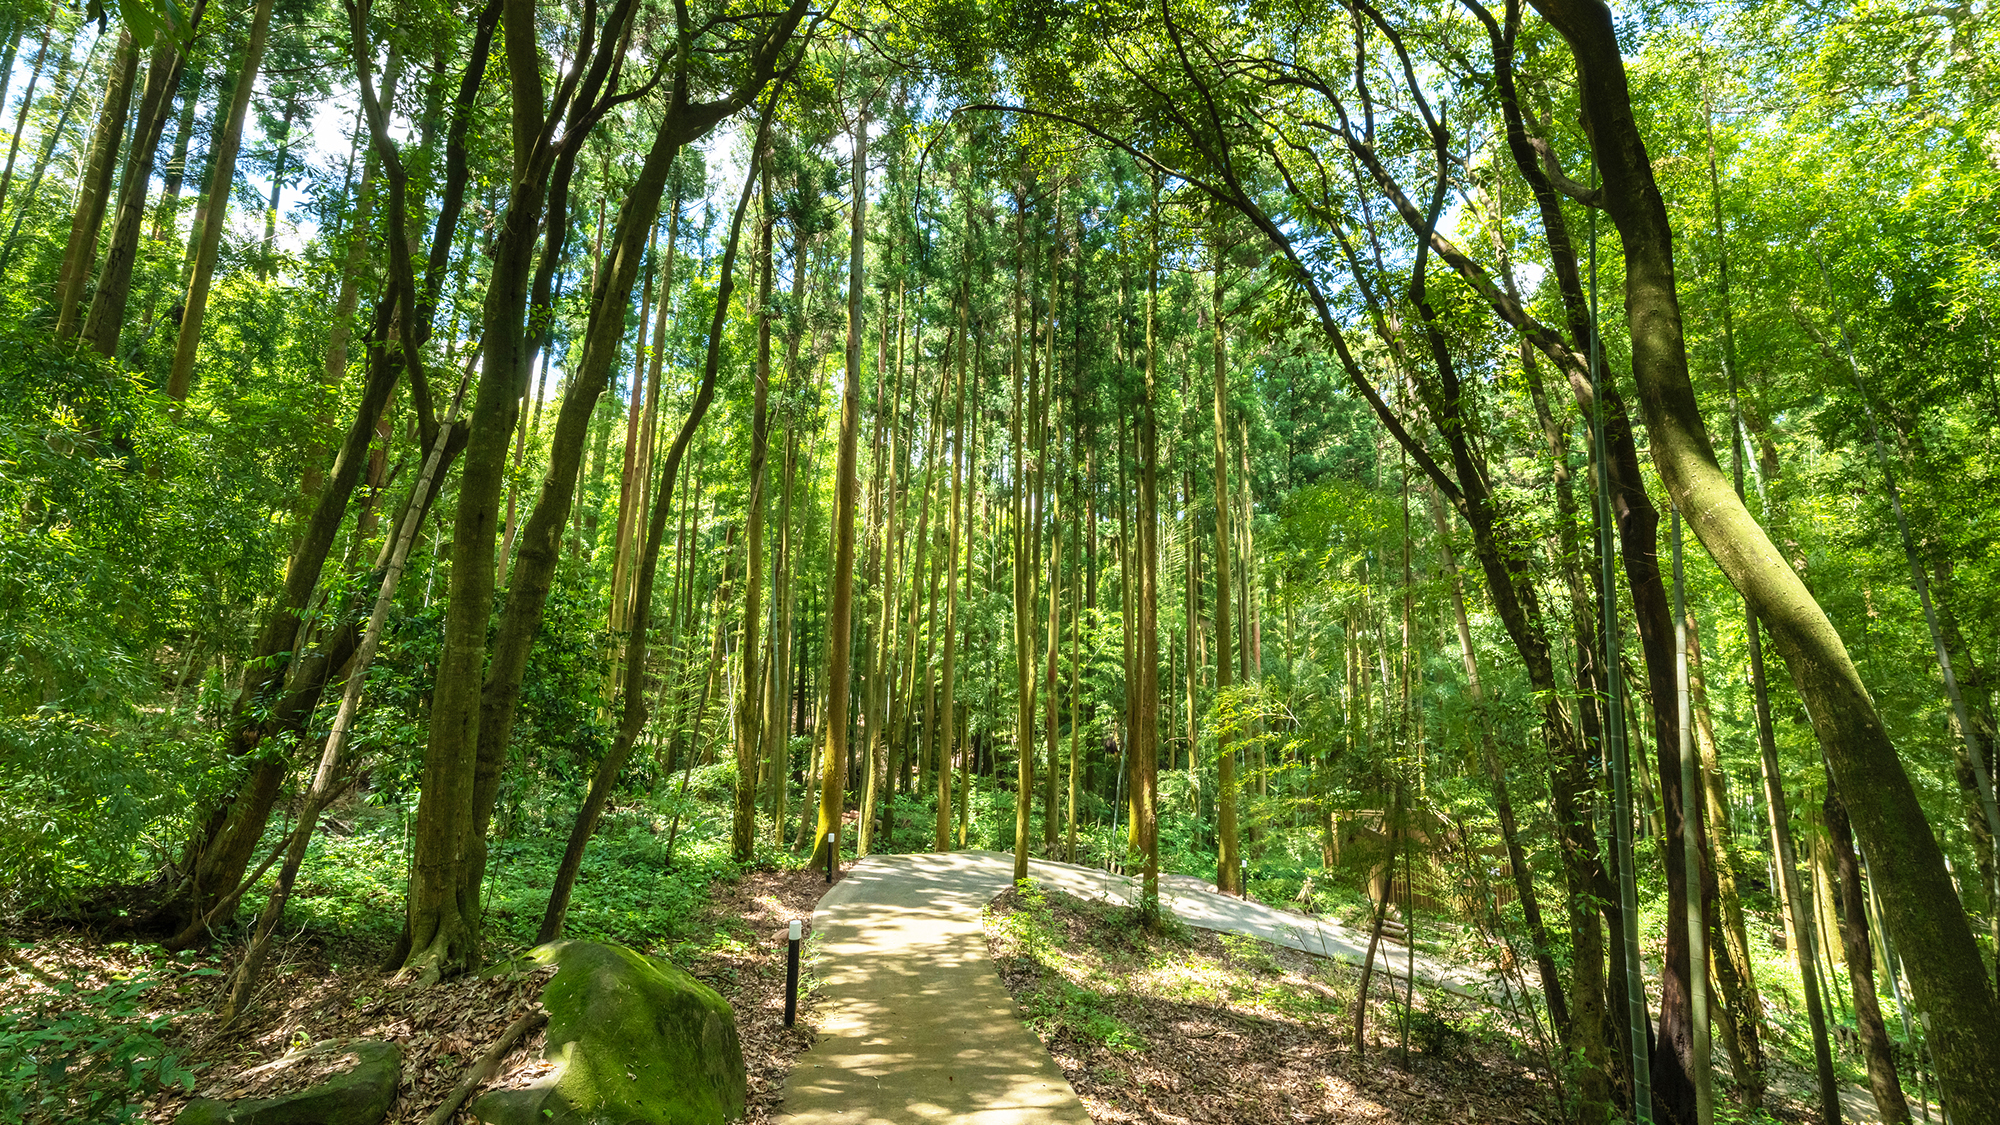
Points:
(831, 844)
(1243, 880)
(792, 972)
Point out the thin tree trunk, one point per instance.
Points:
(1024, 576)
(1503, 804)
(1045, 424)
(1050, 819)
(50, 138)
(175, 172)
(278, 184)
(942, 839)
(1144, 755)
(1876, 1049)
(777, 731)
(106, 319)
(840, 637)
(1742, 1023)
(749, 730)
(1228, 874)
(1919, 582)
(326, 778)
(1077, 573)
(49, 32)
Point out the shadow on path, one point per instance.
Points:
(918, 1027)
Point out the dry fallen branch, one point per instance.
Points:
(477, 1074)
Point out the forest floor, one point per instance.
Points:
(1188, 1025)
(320, 988)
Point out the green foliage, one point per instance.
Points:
(1082, 1012)
(1030, 928)
(1436, 1025)
(1251, 953)
(86, 1053)
(82, 803)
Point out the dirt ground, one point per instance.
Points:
(318, 990)
(1193, 1026)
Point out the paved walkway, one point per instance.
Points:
(917, 1025)
(1198, 904)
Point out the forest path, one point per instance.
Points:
(919, 1028)
(917, 1025)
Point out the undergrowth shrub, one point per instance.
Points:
(86, 1054)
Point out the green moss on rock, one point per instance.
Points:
(360, 1095)
(636, 1042)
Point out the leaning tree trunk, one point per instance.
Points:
(106, 319)
(1503, 804)
(633, 717)
(327, 782)
(1920, 906)
(28, 96)
(94, 193)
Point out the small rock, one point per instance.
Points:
(360, 1095)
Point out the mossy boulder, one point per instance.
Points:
(359, 1095)
(635, 1041)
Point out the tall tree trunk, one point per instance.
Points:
(49, 32)
(211, 214)
(840, 636)
(1972, 755)
(1701, 1066)
(1919, 903)
(1144, 755)
(942, 839)
(1050, 817)
(1503, 804)
(1045, 424)
(777, 744)
(634, 471)
(520, 621)
(749, 717)
(284, 139)
(1228, 873)
(348, 297)
(1798, 911)
(1742, 1023)
(879, 514)
(327, 780)
(1024, 575)
(174, 174)
(51, 137)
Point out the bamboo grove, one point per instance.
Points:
(1528, 466)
